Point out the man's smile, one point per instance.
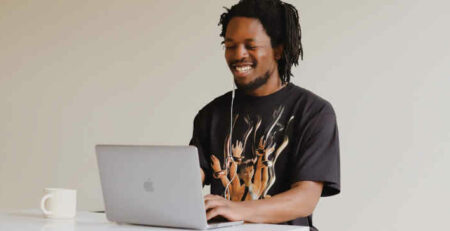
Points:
(242, 69)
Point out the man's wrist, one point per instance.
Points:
(250, 211)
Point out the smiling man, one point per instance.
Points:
(270, 150)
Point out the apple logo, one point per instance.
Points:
(148, 185)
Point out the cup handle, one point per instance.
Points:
(43, 209)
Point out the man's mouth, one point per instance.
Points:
(242, 70)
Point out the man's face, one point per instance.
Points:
(249, 53)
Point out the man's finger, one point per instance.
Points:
(212, 203)
(212, 196)
(214, 213)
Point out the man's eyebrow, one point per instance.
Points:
(231, 40)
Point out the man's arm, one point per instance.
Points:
(299, 201)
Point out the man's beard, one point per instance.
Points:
(255, 84)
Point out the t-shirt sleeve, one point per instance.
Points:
(199, 140)
(317, 155)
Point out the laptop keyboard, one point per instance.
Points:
(218, 219)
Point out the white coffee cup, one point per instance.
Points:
(59, 203)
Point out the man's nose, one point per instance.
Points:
(240, 52)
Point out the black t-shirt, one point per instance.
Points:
(279, 139)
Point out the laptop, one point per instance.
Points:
(153, 185)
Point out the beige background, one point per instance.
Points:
(77, 73)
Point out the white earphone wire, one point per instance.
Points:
(227, 190)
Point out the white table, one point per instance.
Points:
(25, 220)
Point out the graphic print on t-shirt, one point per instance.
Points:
(249, 176)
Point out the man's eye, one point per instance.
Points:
(229, 47)
(251, 47)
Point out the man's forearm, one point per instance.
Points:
(299, 201)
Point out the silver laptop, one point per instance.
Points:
(153, 185)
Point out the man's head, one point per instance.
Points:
(262, 40)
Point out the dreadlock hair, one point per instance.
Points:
(280, 21)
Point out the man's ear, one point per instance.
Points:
(278, 52)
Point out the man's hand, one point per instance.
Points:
(219, 206)
(299, 201)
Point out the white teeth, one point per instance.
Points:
(243, 69)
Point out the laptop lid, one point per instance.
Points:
(152, 185)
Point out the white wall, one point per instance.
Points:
(77, 73)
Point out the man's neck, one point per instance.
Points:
(272, 85)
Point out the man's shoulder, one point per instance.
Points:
(218, 102)
(310, 101)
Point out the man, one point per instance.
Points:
(271, 151)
